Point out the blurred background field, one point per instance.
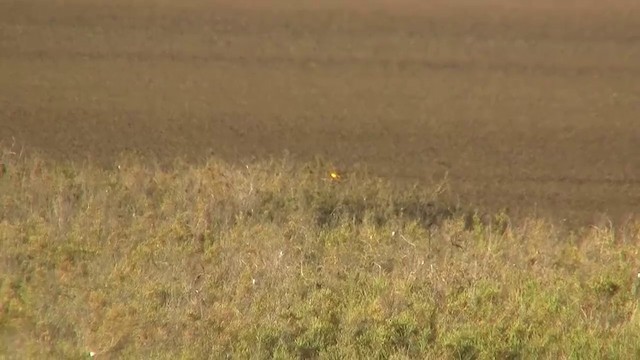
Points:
(531, 107)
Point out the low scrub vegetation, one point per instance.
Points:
(279, 260)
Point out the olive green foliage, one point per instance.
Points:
(278, 260)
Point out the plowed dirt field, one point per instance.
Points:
(531, 107)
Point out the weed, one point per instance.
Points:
(273, 260)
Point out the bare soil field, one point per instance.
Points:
(534, 108)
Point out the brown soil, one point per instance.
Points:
(531, 107)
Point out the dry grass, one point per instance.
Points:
(277, 260)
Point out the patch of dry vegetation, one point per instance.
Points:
(274, 259)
